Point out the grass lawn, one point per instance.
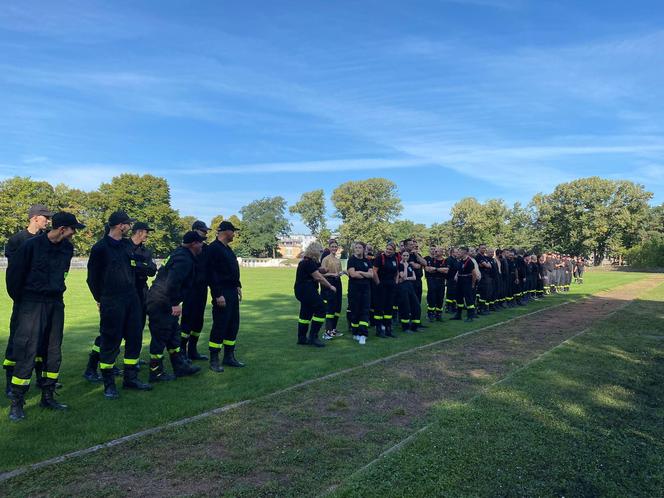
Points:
(585, 420)
(266, 342)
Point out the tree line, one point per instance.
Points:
(590, 216)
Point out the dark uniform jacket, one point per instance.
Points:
(111, 268)
(223, 270)
(39, 269)
(16, 241)
(200, 279)
(453, 264)
(145, 265)
(175, 277)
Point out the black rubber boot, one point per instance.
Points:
(90, 373)
(457, 315)
(192, 349)
(131, 380)
(48, 399)
(302, 336)
(229, 357)
(215, 364)
(182, 368)
(380, 331)
(439, 316)
(9, 373)
(110, 391)
(388, 331)
(184, 342)
(16, 412)
(157, 372)
(314, 341)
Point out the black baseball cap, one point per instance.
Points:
(139, 225)
(64, 219)
(118, 218)
(226, 225)
(191, 237)
(39, 210)
(200, 225)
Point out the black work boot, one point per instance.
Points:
(182, 368)
(314, 341)
(9, 373)
(439, 316)
(192, 349)
(457, 315)
(388, 332)
(131, 380)
(302, 336)
(110, 391)
(90, 373)
(48, 399)
(380, 331)
(215, 364)
(229, 357)
(184, 341)
(157, 372)
(16, 412)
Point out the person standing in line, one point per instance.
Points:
(112, 282)
(193, 307)
(417, 263)
(169, 289)
(436, 273)
(223, 273)
(407, 298)
(466, 279)
(145, 265)
(452, 263)
(38, 219)
(332, 271)
(385, 274)
(360, 275)
(312, 307)
(36, 284)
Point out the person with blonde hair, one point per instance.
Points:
(312, 307)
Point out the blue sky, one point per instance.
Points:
(234, 101)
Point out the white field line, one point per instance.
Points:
(188, 420)
(482, 392)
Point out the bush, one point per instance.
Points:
(649, 254)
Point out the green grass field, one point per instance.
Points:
(266, 343)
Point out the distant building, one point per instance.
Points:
(292, 246)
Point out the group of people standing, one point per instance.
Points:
(385, 288)
(119, 268)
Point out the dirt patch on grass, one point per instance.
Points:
(308, 439)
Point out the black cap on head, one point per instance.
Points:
(64, 219)
(119, 217)
(39, 210)
(200, 225)
(139, 225)
(191, 237)
(226, 225)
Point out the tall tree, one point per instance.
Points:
(16, 196)
(311, 208)
(408, 229)
(263, 221)
(593, 216)
(475, 223)
(367, 208)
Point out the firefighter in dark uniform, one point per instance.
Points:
(452, 263)
(173, 282)
(36, 284)
(312, 307)
(569, 271)
(38, 218)
(370, 255)
(360, 275)
(193, 307)
(485, 285)
(515, 277)
(505, 269)
(494, 302)
(112, 282)
(145, 265)
(385, 273)
(417, 263)
(466, 281)
(409, 307)
(223, 273)
(436, 272)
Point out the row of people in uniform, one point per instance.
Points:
(386, 288)
(119, 267)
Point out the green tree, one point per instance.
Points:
(214, 223)
(520, 229)
(16, 196)
(263, 221)
(367, 209)
(311, 208)
(146, 198)
(474, 223)
(593, 216)
(82, 205)
(407, 229)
